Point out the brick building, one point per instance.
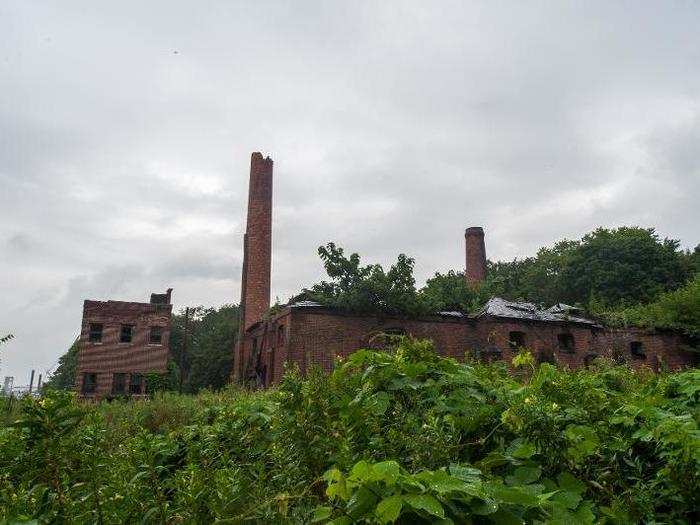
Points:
(120, 342)
(306, 333)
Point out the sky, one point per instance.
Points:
(126, 130)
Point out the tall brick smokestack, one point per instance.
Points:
(257, 244)
(475, 271)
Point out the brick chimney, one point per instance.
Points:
(475, 271)
(257, 244)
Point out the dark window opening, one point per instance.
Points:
(489, 354)
(126, 333)
(546, 356)
(516, 339)
(637, 350)
(119, 383)
(280, 335)
(89, 383)
(566, 343)
(589, 358)
(95, 332)
(135, 383)
(271, 376)
(155, 335)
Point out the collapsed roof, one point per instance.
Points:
(498, 307)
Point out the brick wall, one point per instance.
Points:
(110, 356)
(318, 336)
(264, 349)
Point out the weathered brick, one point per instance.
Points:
(111, 356)
(317, 336)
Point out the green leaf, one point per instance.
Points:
(484, 506)
(386, 471)
(524, 475)
(464, 473)
(569, 483)
(378, 403)
(361, 471)
(426, 503)
(583, 441)
(361, 502)
(336, 485)
(521, 449)
(525, 496)
(342, 520)
(321, 514)
(389, 509)
(442, 483)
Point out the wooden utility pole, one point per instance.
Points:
(183, 351)
(31, 382)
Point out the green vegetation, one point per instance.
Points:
(608, 267)
(366, 289)
(403, 436)
(63, 377)
(209, 357)
(678, 310)
(627, 275)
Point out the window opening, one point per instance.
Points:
(89, 382)
(126, 333)
(95, 332)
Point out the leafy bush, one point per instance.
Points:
(679, 310)
(404, 436)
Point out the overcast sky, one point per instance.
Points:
(126, 130)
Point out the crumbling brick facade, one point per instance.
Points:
(121, 342)
(308, 336)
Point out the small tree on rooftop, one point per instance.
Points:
(366, 289)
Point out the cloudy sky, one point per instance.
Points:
(126, 130)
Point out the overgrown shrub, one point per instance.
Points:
(403, 436)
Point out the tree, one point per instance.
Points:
(622, 266)
(451, 292)
(607, 267)
(366, 289)
(678, 309)
(63, 377)
(211, 337)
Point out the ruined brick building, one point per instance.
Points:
(120, 343)
(306, 333)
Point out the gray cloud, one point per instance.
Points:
(126, 130)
